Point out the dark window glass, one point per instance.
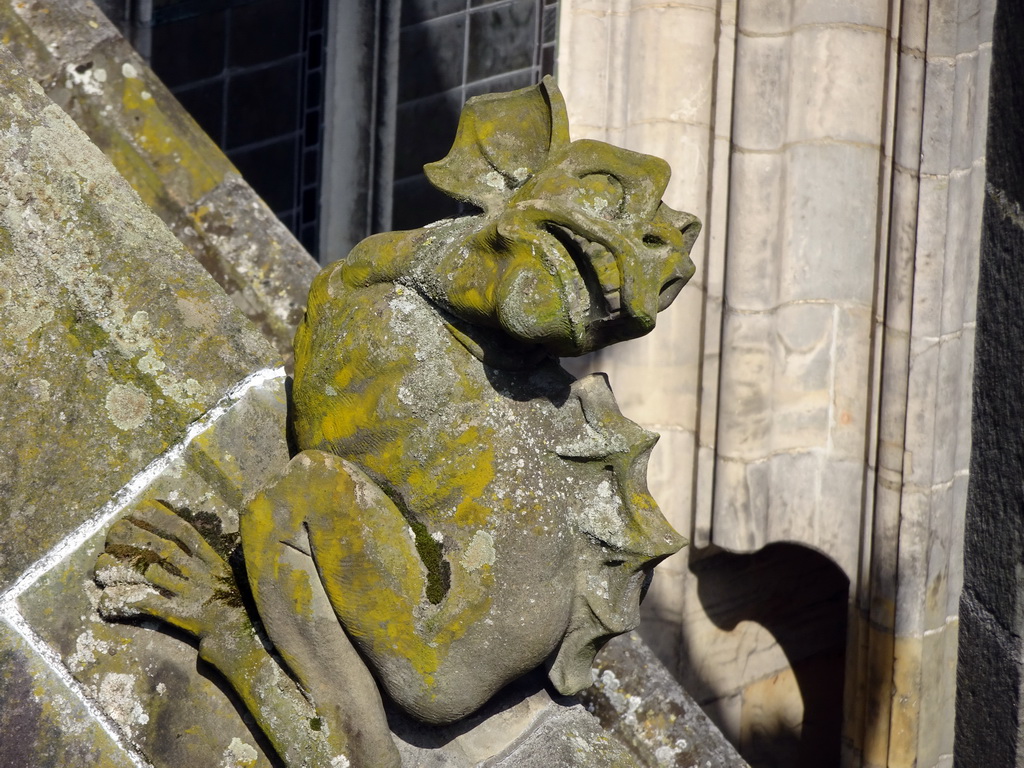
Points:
(205, 102)
(431, 57)
(550, 27)
(308, 238)
(502, 38)
(309, 201)
(265, 31)
(547, 62)
(500, 83)
(316, 15)
(421, 10)
(452, 50)
(271, 169)
(253, 115)
(311, 166)
(416, 203)
(189, 50)
(425, 129)
(252, 74)
(316, 51)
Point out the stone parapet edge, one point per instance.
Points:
(129, 493)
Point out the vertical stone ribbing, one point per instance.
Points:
(845, 159)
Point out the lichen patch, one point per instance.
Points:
(22, 316)
(480, 552)
(602, 516)
(128, 406)
(116, 694)
(150, 363)
(39, 389)
(87, 649)
(239, 755)
(84, 77)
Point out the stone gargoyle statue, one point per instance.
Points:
(460, 510)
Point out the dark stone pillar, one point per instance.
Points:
(991, 650)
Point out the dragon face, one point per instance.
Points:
(598, 253)
(589, 253)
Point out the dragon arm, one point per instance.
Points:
(157, 564)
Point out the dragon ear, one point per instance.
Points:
(503, 140)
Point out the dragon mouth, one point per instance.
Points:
(598, 269)
(569, 666)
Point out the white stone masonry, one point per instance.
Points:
(813, 383)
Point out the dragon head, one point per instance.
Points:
(588, 252)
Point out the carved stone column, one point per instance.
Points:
(822, 396)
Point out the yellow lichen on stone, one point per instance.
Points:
(456, 494)
(89, 283)
(167, 145)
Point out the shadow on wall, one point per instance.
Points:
(792, 718)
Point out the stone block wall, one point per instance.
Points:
(820, 363)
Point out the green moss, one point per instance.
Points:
(139, 559)
(210, 528)
(6, 240)
(439, 570)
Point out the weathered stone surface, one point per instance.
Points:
(525, 725)
(42, 723)
(112, 323)
(566, 740)
(112, 337)
(636, 698)
(168, 708)
(455, 493)
(94, 74)
(173, 712)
